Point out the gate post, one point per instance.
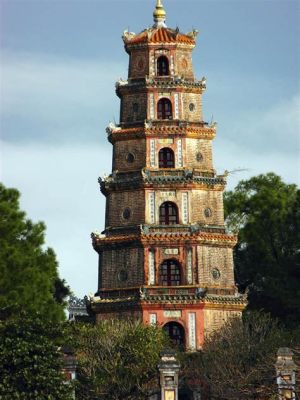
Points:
(169, 368)
(286, 374)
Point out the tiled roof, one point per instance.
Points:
(161, 35)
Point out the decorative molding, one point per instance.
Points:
(152, 319)
(176, 111)
(152, 114)
(151, 197)
(151, 268)
(171, 251)
(192, 331)
(189, 266)
(172, 313)
(179, 153)
(152, 153)
(185, 208)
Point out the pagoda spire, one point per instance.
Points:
(159, 15)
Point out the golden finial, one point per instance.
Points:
(159, 15)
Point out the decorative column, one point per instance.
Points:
(286, 374)
(169, 368)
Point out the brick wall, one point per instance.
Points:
(183, 63)
(210, 258)
(117, 202)
(122, 314)
(119, 262)
(195, 114)
(215, 319)
(203, 199)
(198, 154)
(134, 107)
(137, 148)
(138, 64)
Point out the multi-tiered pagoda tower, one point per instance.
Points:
(164, 256)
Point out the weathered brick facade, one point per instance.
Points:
(165, 256)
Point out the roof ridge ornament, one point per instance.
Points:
(159, 15)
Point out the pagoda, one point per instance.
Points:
(165, 256)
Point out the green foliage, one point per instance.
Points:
(28, 272)
(266, 212)
(237, 362)
(30, 364)
(117, 359)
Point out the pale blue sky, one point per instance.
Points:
(59, 62)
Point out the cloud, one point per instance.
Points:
(48, 98)
(272, 130)
(58, 185)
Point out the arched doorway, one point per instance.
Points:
(166, 158)
(168, 213)
(164, 109)
(170, 273)
(176, 332)
(162, 66)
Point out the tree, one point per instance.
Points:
(266, 212)
(28, 272)
(117, 359)
(30, 364)
(238, 361)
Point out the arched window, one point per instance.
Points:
(164, 109)
(166, 158)
(168, 213)
(175, 331)
(169, 273)
(162, 66)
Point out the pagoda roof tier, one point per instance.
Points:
(158, 35)
(161, 128)
(163, 229)
(147, 178)
(162, 295)
(168, 82)
(165, 238)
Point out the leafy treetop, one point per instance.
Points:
(29, 278)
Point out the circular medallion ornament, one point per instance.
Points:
(130, 158)
(126, 213)
(184, 63)
(140, 64)
(199, 157)
(192, 106)
(122, 275)
(216, 273)
(207, 212)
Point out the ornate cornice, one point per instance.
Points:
(155, 238)
(167, 295)
(167, 83)
(147, 178)
(159, 128)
